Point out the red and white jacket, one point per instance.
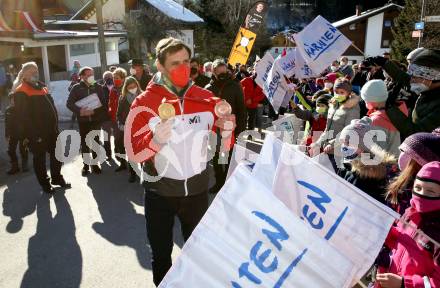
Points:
(183, 160)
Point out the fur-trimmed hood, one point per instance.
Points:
(377, 172)
(352, 101)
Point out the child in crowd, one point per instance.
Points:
(414, 241)
(317, 119)
(343, 108)
(129, 92)
(417, 150)
(366, 165)
(13, 139)
(375, 95)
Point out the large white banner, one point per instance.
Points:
(270, 77)
(262, 68)
(353, 222)
(320, 43)
(303, 70)
(248, 238)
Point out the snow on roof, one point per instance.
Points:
(366, 14)
(174, 10)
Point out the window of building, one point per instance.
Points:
(385, 43)
(387, 23)
(110, 46)
(352, 26)
(82, 49)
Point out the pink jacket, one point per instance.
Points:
(410, 259)
(381, 121)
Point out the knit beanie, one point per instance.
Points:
(422, 147)
(358, 127)
(430, 172)
(342, 83)
(331, 77)
(414, 53)
(374, 91)
(426, 64)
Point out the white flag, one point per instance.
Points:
(262, 68)
(302, 70)
(241, 155)
(267, 162)
(353, 222)
(248, 238)
(320, 43)
(288, 63)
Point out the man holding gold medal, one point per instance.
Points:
(167, 130)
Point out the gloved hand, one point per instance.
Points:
(377, 61)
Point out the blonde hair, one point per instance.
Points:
(24, 67)
(128, 81)
(402, 181)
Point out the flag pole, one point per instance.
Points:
(357, 48)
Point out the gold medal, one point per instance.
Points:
(166, 111)
(223, 109)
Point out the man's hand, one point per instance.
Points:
(389, 280)
(328, 149)
(84, 112)
(226, 123)
(162, 132)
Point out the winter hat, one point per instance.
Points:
(413, 54)
(84, 69)
(426, 64)
(430, 172)
(342, 83)
(324, 99)
(358, 127)
(422, 147)
(374, 91)
(331, 77)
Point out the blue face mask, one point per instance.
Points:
(349, 153)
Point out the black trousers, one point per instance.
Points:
(12, 148)
(84, 129)
(251, 118)
(39, 150)
(159, 213)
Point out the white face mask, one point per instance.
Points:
(91, 80)
(418, 88)
(208, 74)
(132, 71)
(133, 91)
(333, 68)
(328, 85)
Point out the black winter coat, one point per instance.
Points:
(82, 90)
(232, 92)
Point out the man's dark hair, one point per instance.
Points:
(169, 46)
(194, 60)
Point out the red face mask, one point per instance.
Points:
(179, 76)
(118, 82)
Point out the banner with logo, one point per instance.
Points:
(262, 68)
(248, 238)
(353, 222)
(241, 49)
(320, 43)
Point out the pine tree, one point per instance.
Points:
(403, 26)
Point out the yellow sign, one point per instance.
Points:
(242, 47)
